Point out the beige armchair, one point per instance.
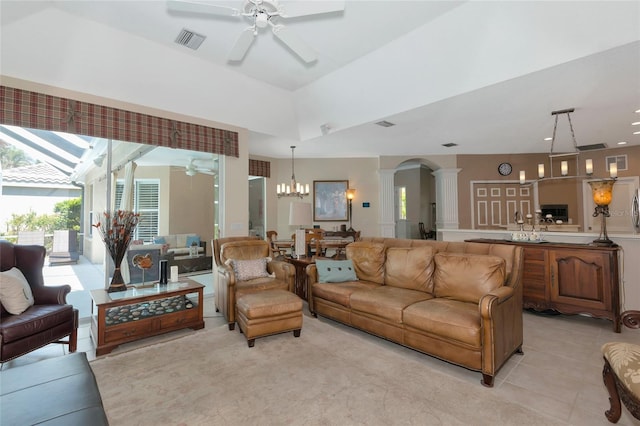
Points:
(229, 287)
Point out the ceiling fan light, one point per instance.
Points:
(262, 20)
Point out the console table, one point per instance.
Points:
(570, 278)
(144, 311)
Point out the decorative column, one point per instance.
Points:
(446, 198)
(387, 222)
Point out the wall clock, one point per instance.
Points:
(504, 169)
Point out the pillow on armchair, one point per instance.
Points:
(250, 269)
(15, 292)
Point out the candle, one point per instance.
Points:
(589, 166)
(522, 176)
(613, 170)
(174, 274)
(564, 168)
(529, 216)
(540, 171)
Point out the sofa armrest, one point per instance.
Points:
(501, 313)
(55, 295)
(498, 295)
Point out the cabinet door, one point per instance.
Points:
(535, 276)
(581, 281)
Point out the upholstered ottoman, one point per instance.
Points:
(268, 312)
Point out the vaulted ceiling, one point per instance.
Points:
(483, 75)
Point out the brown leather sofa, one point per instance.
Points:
(49, 320)
(229, 288)
(460, 302)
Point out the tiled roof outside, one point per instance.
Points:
(33, 175)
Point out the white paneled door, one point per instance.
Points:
(495, 204)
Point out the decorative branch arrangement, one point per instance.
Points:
(116, 230)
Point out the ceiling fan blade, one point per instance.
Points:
(197, 7)
(242, 45)
(295, 43)
(293, 9)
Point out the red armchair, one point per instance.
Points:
(49, 320)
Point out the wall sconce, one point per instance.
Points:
(351, 193)
(602, 191)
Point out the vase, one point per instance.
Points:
(117, 282)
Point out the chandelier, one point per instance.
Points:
(601, 188)
(565, 158)
(295, 189)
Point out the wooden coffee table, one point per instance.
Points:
(144, 311)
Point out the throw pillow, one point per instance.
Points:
(159, 240)
(250, 269)
(15, 292)
(335, 271)
(193, 239)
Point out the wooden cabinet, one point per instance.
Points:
(571, 279)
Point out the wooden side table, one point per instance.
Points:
(301, 287)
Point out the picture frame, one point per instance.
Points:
(330, 201)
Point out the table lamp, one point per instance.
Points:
(602, 191)
(300, 215)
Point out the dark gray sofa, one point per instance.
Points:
(55, 391)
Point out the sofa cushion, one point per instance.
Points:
(624, 359)
(159, 240)
(249, 269)
(259, 284)
(192, 240)
(181, 239)
(467, 277)
(340, 293)
(15, 292)
(450, 319)
(368, 260)
(36, 319)
(335, 271)
(386, 301)
(410, 267)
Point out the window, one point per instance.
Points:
(146, 202)
(402, 203)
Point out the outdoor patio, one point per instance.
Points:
(86, 276)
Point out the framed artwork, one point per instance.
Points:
(330, 200)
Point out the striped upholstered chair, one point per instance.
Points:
(621, 372)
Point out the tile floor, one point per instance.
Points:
(560, 373)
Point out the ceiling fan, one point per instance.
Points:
(192, 169)
(263, 13)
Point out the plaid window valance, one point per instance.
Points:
(39, 111)
(259, 168)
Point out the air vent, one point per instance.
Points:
(189, 39)
(385, 123)
(591, 147)
(450, 144)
